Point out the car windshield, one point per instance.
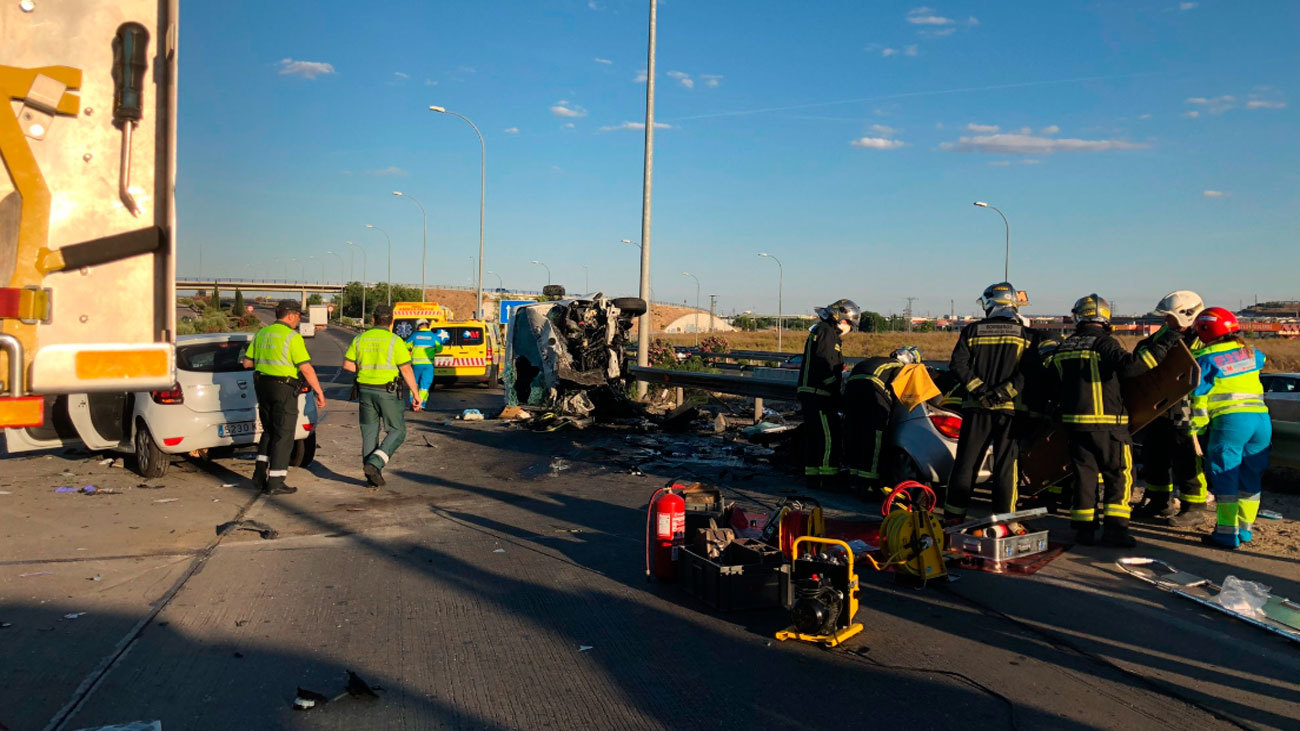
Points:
(220, 357)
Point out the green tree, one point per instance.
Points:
(873, 322)
(237, 309)
(315, 299)
(350, 299)
(216, 296)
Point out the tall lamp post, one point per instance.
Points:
(390, 260)
(780, 285)
(363, 280)
(500, 284)
(1006, 262)
(548, 270)
(647, 180)
(697, 305)
(424, 238)
(482, 195)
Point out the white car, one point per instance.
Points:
(1282, 394)
(212, 405)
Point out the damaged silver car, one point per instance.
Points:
(566, 356)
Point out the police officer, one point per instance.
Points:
(278, 354)
(380, 358)
(1169, 454)
(1088, 367)
(987, 362)
(819, 389)
(868, 403)
(424, 346)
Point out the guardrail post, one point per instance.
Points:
(758, 410)
(681, 396)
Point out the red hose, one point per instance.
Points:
(905, 488)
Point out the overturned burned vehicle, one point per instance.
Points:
(567, 356)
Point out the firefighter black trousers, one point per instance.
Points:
(982, 429)
(821, 447)
(277, 405)
(866, 418)
(1170, 462)
(1103, 460)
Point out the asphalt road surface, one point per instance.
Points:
(498, 583)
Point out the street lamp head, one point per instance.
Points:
(764, 254)
(440, 110)
(981, 204)
(536, 262)
(687, 274)
(397, 193)
(369, 226)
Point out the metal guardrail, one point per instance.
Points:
(766, 383)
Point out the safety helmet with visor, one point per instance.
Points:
(1091, 308)
(1184, 305)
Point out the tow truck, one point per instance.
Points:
(87, 217)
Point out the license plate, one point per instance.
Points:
(236, 429)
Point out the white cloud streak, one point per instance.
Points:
(926, 16)
(641, 77)
(604, 61)
(982, 128)
(712, 81)
(305, 69)
(392, 171)
(1049, 130)
(1187, 6)
(1214, 105)
(1027, 144)
(876, 143)
(633, 126)
(401, 75)
(1214, 194)
(1265, 104)
(563, 108)
(512, 130)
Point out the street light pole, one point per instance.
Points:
(780, 286)
(424, 238)
(548, 270)
(1006, 262)
(697, 305)
(500, 284)
(390, 260)
(482, 196)
(363, 280)
(647, 180)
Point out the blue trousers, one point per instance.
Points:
(423, 379)
(1237, 455)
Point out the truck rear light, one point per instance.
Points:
(948, 425)
(173, 441)
(174, 395)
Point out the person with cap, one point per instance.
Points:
(279, 357)
(818, 391)
(424, 345)
(380, 358)
(1171, 457)
(1087, 368)
(868, 403)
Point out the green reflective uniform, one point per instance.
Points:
(378, 355)
(276, 351)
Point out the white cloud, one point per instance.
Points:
(633, 126)
(712, 81)
(512, 130)
(390, 171)
(1216, 104)
(1187, 6)
(569, 125)
(887, 52)
(1049, 130)
(938, 32)
(883, 130)
(592, 4)
(1031, 161)
(1025, 144)
(911, 50)
(605, 61)
(938, 125)
(982, 128)
(1144, 116)
(972, 21)
(1214, 194)
(430, 82)
(1191, 115)
(998, 163)
(305, 69)
(682, 78)
(466, 69)
(876, 143)
(1265, 104)
(401, 75)
(641, 77)
(563, 108)
(926, 16)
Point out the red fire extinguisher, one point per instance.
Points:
(665, 532)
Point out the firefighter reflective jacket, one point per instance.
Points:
(1180, 413)
(987, 359)
(879, 372)
(1229, 383)
(1088, 367)
(823, 362)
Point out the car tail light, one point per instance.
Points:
(173, 441)
(489, 352)
(173, 395)
(948, 425)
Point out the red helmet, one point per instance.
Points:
(1214, 323)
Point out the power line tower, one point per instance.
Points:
(907, 313)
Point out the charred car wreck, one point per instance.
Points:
(566, 357)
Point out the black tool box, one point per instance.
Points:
(746, 577)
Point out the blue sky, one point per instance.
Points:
(1136, 147)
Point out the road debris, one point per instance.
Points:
(1270, 515)
(129, 726)
(147, 486)
(559, 464)
(584, 648)
(498, 550)
(427, 442)
(265, 531)
(34, 574)
(74, 615)
(306, 699)
(471, 415)
(96, 577)
(167, 500)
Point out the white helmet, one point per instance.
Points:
(421, 323)
(1184, 305)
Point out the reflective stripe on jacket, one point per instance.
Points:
(1088, 367)
(1229, 383)
(424, 345)
(277, 350)
(988, 355)
(378, 354)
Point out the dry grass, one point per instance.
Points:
(1283, 354)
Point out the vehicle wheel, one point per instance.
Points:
(150, 461)
(903, 467)
(634, 306)
(304, 451)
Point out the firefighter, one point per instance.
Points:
(424, 346)
(819, 389)
(279, 355)
(1088, 367)
(986, 361)
(868, 403)
(380, 358)
(1170, 458)
(1228, 406)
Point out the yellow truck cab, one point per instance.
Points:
(469, 347)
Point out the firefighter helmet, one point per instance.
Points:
(1214, 323)
(1184, 305)
(907, 354)
(998, 295)
(1091, 309)
(841, 310)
